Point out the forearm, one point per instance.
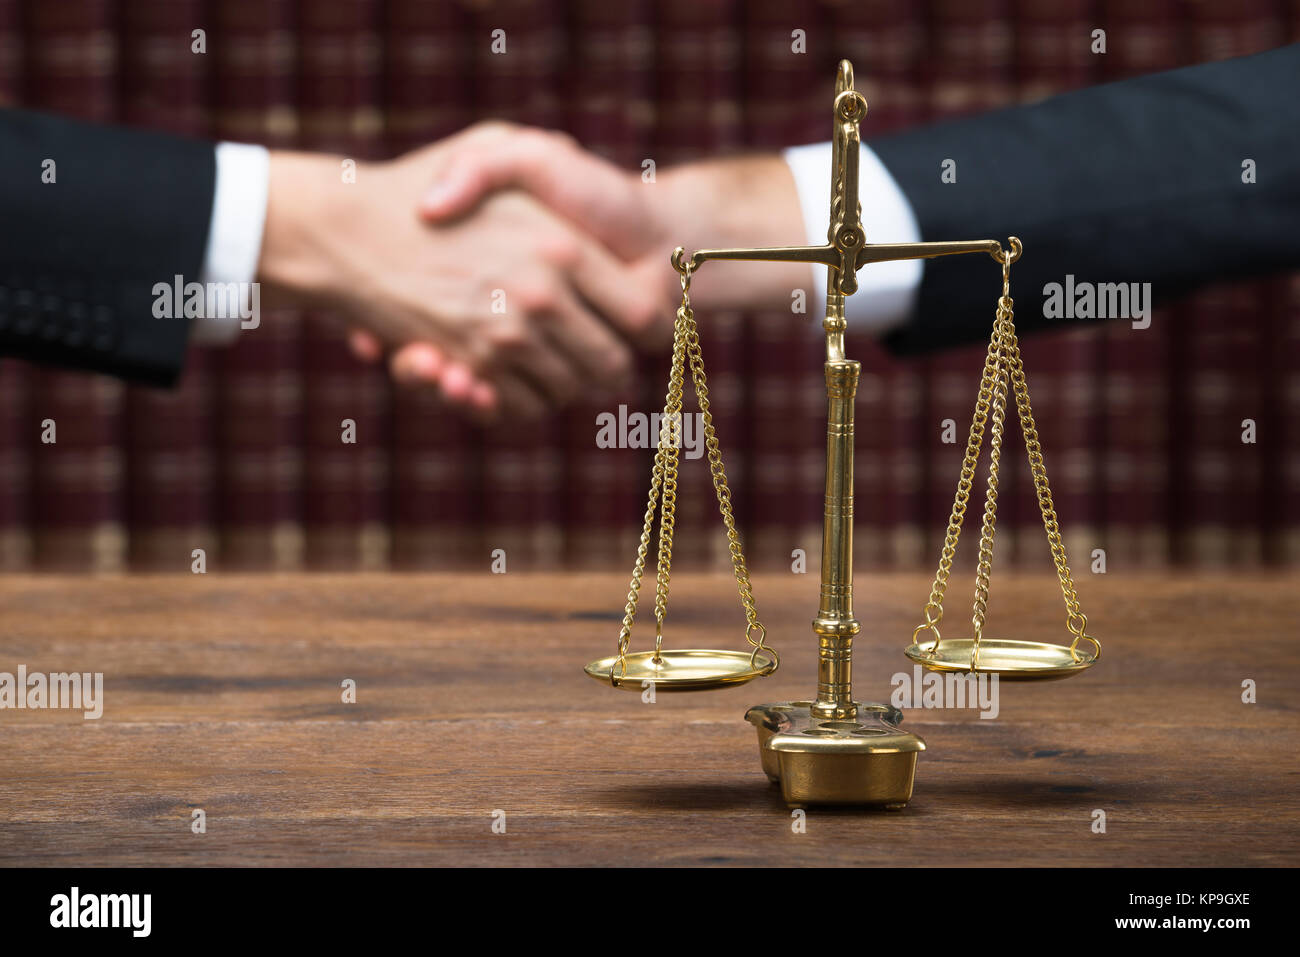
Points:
(747, 201)
(1140, 181)
(305, 220)
(95, 218)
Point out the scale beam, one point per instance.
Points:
(833, 256)
(825, 255)
(890, 252)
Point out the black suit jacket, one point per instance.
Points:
(1135, 181)
(79, 257)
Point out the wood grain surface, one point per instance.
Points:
(224, 693)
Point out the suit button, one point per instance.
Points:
(51, 318)
(103, 328)
(24, 312)
(75, 333)
(101, 291)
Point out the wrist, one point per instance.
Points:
(306, 203)
(742, 202)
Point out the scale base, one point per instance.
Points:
(863, 760)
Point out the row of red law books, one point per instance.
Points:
(1142, 428)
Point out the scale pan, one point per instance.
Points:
(690, 670)
(1012, 660)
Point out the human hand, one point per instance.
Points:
(747, 201)
(741, 201)
(429, 292)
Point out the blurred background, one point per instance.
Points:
(1142, 429)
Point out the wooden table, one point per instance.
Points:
(224, 693)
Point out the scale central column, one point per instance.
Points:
(835, 624)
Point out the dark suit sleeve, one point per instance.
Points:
(1136, 181)
(79, 256)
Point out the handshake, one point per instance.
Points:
(511, 269)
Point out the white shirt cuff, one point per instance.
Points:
(886, 291)
(235, 230)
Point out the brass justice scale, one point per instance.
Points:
(834, 750)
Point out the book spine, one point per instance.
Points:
(885, 40)
(15, 447)
(345, 403)
(435, 457)
(170, 475)
(969, 71)
(1209, 454)
(1232, 462)
(1284, 535)
(1053, 55)
(1223, 31)
(259, 378)
(610, 107)
(522, 462)
(1284, 489)
(1053, 47)
(775, 439)
(783, 404)
(697, 114)
(16, 423)
(78, 502)
(1138, 380)
(13, 90)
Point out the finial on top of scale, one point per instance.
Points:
(844, 79)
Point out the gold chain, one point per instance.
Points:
(933, 610)
(663, 491)
(984, 566)
(1075, 620)
(1002, 367)
(719, 474)
(670, 437)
